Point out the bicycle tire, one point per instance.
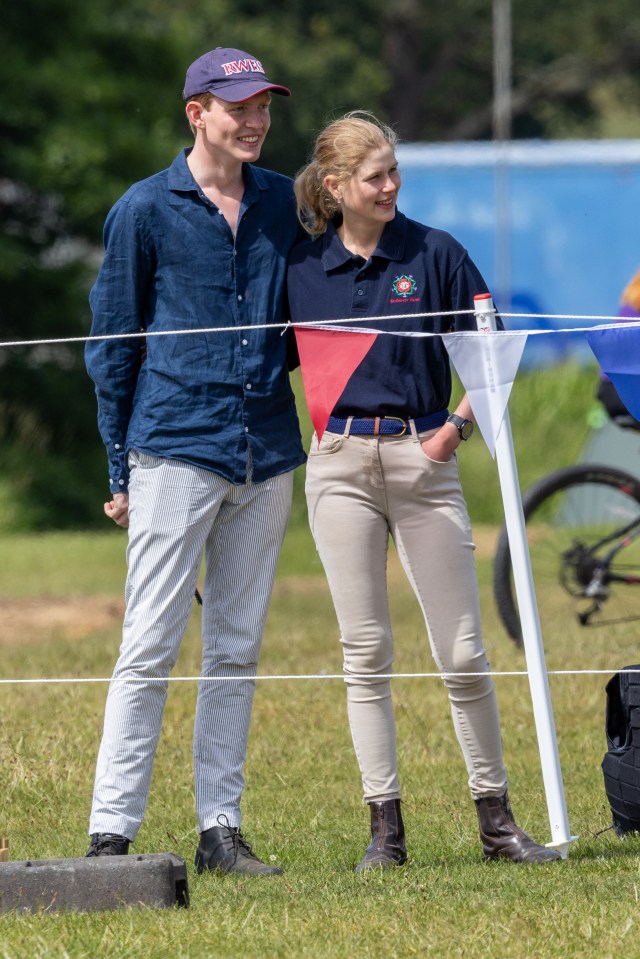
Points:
(619, 493)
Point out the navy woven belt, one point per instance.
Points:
(386, 425)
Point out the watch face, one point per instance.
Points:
(466, 429)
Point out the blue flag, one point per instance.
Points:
(618, 352)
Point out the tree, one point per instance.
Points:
(80, 123)
(574, 65)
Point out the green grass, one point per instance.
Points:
(302, 802)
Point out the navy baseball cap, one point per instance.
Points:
(232, 75)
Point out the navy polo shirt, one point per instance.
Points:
(414, 269)
(172, 264)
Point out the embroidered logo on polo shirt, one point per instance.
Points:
(403, 287)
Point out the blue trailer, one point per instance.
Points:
(554, 226)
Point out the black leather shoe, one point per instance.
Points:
(107, 844)
(387, 847)
(224, 849)
(502, 838)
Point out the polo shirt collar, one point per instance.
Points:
(390, 247)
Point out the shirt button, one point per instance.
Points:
(120, 482)
(245, 342)
(360, 292)
(246, 429)
(117, 446)
(220, 213)
(248, 386)
(240, 298)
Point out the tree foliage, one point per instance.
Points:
(90, 98)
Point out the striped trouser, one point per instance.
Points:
(177, 513)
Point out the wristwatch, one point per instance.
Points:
(464, 427)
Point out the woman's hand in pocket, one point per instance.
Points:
(441, 445)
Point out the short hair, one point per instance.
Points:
(339, 150)
(204, 99)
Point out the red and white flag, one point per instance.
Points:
(328, 359)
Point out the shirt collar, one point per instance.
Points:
(390, 247)
(181, 179)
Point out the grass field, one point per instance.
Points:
(302, 802)
(60, 616)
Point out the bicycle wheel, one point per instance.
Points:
(583, 530)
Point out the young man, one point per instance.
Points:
(202, 437)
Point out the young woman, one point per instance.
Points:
(387, 465)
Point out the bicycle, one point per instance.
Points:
(583, 529)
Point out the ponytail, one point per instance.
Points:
(339, 150)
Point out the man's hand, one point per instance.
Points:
(118, 509)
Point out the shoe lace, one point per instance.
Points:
(106, 841)
(238, 842)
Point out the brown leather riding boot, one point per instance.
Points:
(502, 838)
(387, 846)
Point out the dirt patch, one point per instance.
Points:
(35, 620)
(32, 620)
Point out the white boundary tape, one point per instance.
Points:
(612, 323)
(305, 676)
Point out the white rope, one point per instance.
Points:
(620, 325)
(613, 322)
(305, 676)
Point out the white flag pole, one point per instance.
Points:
(561, 836)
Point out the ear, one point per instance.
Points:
(332, 184)
(194, 111)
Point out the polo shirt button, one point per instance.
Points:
(246, 429)
(360, 292)
(120, 482)
(248, 386)
(245, 342)
(240, 298)
(117, 446)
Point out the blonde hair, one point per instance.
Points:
(631, 292)
(204, 99)
(339, 150)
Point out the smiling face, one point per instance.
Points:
(236, 131)
(370, 195)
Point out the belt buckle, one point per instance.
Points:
(398, 419)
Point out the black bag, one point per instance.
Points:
(621, 763)
(617, 411)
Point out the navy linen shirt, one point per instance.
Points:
(414, 269)
(172, 264)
